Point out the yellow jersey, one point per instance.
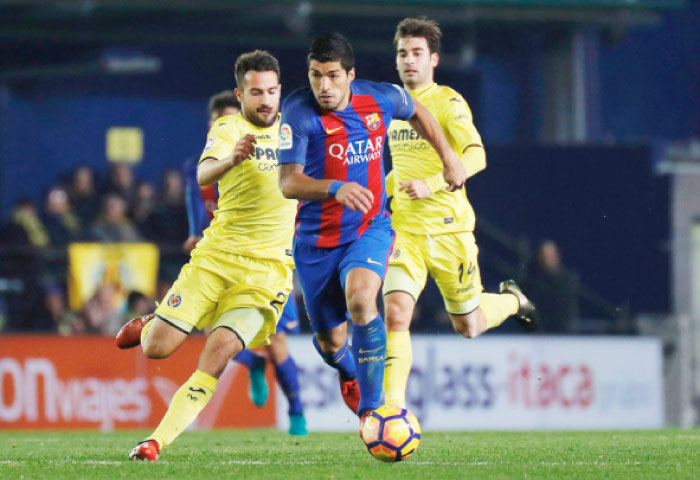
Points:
(252, 218)
(414, 158)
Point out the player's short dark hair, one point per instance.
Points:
(332, 47)
(421, 27)
(257, 61)
(223, 100)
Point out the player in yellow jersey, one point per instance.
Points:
(434, 227)
(240, 274)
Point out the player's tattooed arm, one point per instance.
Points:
(210, 170)
(295, 184)
(427, 127)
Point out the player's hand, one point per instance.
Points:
(244, 149)
(191, 242)
(454, 172)
(416, 189)
(355, 197)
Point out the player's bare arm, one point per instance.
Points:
(427, 127)
(295, 184)
(211, 170)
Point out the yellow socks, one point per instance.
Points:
(188, 401)
(498, 307)
(397, 367)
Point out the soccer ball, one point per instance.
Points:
(391, 433)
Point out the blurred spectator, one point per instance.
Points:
(113, 225)
(62, 225)
(553, 289)
(25, 227)
(102, 314)
(62, 320)
(138, 305)
(143, 209)
(170, 217)
(164, 284)
(82, 195)
(173, 188)
(20, 263)
(121, 181)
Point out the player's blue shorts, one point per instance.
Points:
(322, 271)
(289, 322)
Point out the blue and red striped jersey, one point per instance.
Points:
(345, 145)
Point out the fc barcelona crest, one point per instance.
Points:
(373, 121)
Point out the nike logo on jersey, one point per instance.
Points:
(370, 351)
(197, 390)
(369, 260)
(332, 131)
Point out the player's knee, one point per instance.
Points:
(220, 352)
(156, 348)
(277, 349)
(398, 318)
(466, 326)
(362, 305)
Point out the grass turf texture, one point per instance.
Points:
(269, 454)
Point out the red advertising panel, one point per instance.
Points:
(86, 382)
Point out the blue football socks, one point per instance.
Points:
(249, 359)
(288, 379)
(342, 360)
(369, 348)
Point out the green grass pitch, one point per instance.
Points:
(254, 454)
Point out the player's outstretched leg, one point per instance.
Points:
(258, 391)
(368, 336)
(191, 398)
(343, 361)
(494, 309)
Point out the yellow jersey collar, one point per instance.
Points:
(421, 91)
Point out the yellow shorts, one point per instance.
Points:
(450, 258)
(214, 282)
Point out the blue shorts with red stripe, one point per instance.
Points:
(322, 271)
(289, 322)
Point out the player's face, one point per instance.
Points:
(414, 62)
(260, 97)
(225, 112)
(330, 84)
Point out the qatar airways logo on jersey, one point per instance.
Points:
(359, 151)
